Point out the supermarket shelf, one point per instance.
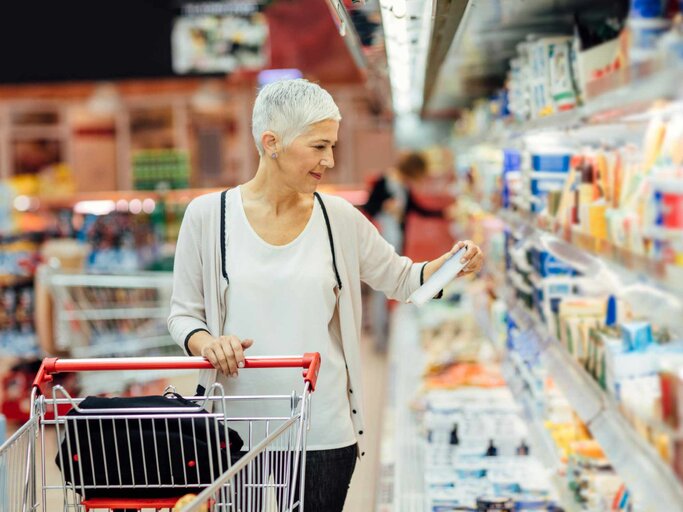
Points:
(139, 280)
(520, 381)
(546, 449)
(139, 344)
(25, 349)
(357, 195)
(610, 99)
(135, 313)
(656, 272)
(641, 468)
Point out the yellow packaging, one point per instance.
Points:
(567, 199)
(577, 316)
(597, 221)
(586, 191)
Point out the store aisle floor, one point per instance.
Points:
(361, 496)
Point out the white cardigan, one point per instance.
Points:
(200, 288)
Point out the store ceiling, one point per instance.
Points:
(483, 41)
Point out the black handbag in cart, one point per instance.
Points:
(169, 456)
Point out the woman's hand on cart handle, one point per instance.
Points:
(225, 353)
(474, 257)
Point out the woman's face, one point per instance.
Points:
(306, 160)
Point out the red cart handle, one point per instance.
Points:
(310, 362)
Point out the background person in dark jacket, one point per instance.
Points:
(391, 199)
(389, 203)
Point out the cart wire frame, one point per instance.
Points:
(17, 470)
(270, 473)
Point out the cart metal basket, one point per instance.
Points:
(145, 472)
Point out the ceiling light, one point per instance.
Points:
(94, 207)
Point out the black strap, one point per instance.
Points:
(329, 236)
(224, 263)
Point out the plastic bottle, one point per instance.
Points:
(491, 451)
(444, 275)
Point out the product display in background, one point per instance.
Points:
(622, 199)
(501, 435)
(19, 258)
(554, 73)
(161, 168)
(635, 362)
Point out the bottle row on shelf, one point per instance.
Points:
(614, 60)
(474, 451)
(619, 372)
(625, 202)
(478, 447)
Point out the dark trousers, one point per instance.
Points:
(328, 476)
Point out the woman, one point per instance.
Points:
(272, 267)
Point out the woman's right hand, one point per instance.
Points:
(225, 353)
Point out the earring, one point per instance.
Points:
(273, 156)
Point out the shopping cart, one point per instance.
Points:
(110, 315)
(109, 461)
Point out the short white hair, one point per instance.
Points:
(288, 108)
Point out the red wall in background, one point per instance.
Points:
(428, 238)
(304, 36)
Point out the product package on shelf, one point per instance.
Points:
(633, 361)
(19, 257)
(502, 435)
(479, 453)
(584, 472)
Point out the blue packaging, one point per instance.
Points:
(646, 32)
(636, 336)
(540, 185)
(647, 8)
(532, 503)
(538, 301)
(551, 162)
(512, 160)
(548, 265)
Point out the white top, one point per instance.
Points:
(200, 290)
(282, 321)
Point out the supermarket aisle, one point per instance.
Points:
(364, 483)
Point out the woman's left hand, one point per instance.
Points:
(473, 258)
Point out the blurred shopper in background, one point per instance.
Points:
(389, 203)
(276, 268)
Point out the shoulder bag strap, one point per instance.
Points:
(329, 236)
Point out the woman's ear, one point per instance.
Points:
(270, 144)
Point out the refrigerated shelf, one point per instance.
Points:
(634, 459)
(658, 273)
(611, 99)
